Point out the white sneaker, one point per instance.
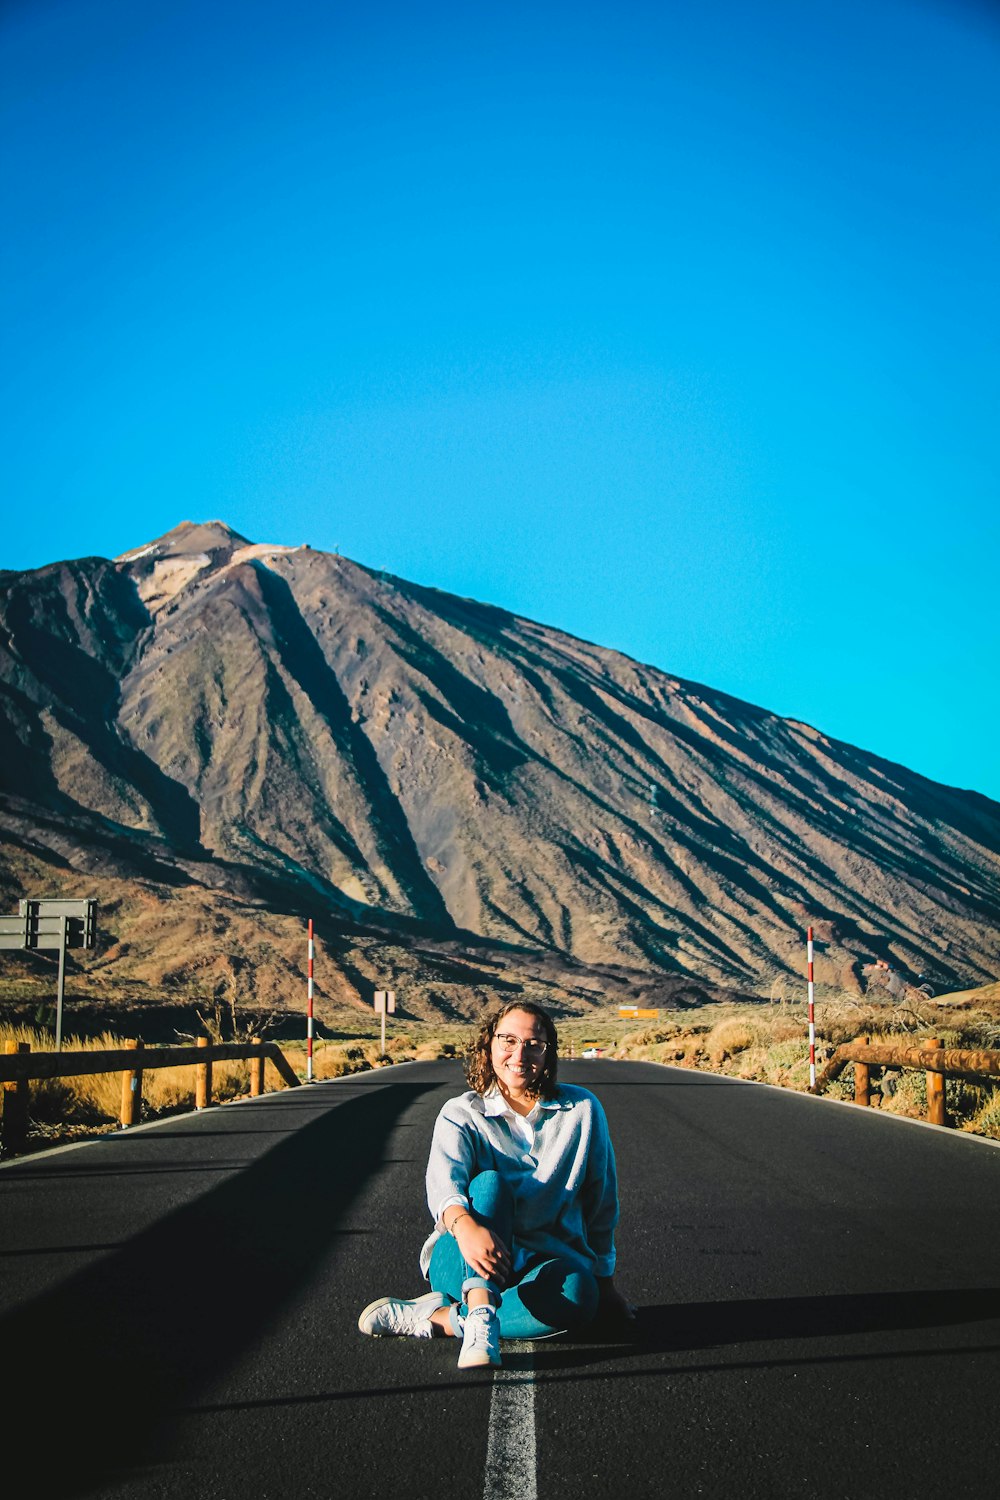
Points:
(480, 1338)
(391, 1315)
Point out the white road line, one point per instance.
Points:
(511, 1471)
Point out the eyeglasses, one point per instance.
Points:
(532, 1046)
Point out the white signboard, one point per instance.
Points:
(385, 1000)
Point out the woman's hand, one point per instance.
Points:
(484, 1251)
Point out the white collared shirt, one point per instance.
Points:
(558, 1161)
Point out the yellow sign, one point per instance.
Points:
(633, 1013)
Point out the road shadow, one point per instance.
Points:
(671, 1328)
(618, 1352)
(127, 1342)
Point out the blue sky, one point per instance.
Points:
(673, 326)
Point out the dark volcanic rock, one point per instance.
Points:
(416, 762)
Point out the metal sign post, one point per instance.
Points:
(812, 1013)
(309, 1009)
(61, 987)
(385, 1000)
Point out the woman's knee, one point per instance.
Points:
(559, 1294)
(488, 1192)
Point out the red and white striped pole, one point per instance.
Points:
(309, 1003)
(812, 1013)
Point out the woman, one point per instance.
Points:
(522, 1186)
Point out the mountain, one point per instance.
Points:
(272, 729)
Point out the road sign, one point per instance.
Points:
(44, 919)
(58, 923)
(633, 1013)
(13, 932)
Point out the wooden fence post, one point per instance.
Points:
(203, 1076)
(257, 1069)
(936, 1113)
(14, 1129)
(862, 1080)
(132, 1090)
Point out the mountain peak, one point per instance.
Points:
(161, 569)
(188, 539)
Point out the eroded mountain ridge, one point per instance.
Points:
(259, 718)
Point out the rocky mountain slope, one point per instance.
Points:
(286, 730)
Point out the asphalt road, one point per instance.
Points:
(819, 1293)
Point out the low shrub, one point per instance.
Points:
(650, 1036)
(783, 1063)
(431, 1051)
(841, 1087)
(907, 1097)
(335, 1059)
(728, 1037)
(986, 1119)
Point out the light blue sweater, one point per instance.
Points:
(558, 1160)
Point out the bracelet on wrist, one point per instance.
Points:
(463, 1215)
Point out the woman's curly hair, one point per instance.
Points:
(478, 1059)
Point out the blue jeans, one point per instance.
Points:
(549, 1297)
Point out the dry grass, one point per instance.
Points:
(334, 1059)
(770, 1045)
(68, 1109)
(986, 1120)
(759, 1042)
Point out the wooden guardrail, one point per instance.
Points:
(929, 1056)
(19, 1067)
